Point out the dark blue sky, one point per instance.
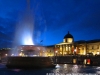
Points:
(52, 20)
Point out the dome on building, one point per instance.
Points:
(68, 38)
(68, 35)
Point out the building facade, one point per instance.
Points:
(66, 47)
(82, 47)
(90, 46)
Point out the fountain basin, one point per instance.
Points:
(29, 62)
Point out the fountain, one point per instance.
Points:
(27, 55)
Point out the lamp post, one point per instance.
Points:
(56, 56)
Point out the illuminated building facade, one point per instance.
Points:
(69, 46)
(91, 46)
(66, 47)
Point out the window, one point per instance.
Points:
(87, 48)
(50, 50)
(69, 40)
(92, 47)
(60, 52)
(64, 40)
(98, 47)
(82, 48)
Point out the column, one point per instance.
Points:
(65, 49)
(62, 50)
(85, 49)
(59, 50)
(68, 48)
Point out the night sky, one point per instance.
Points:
(52, 19)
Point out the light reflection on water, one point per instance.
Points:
(67, 68)
(62, 68)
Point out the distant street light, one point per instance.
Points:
(56, 51)
(6, 54)
(75, 51)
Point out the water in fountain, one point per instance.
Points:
(24, 31)
(25, 27)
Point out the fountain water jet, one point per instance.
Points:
(25, 27)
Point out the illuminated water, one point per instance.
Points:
(61, 69)
(25, 27)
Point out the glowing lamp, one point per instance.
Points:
(98, 53)
(56, 51)
(6, 54)
(75, 50)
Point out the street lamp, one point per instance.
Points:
(56, 52)
(6, 54)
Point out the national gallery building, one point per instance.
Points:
(69, 47)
